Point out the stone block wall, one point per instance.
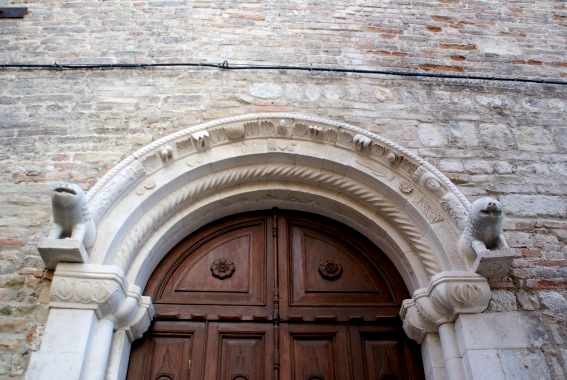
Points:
(498, 138)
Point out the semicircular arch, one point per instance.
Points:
(175, 185)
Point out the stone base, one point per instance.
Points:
(494, 264)
(54, 251)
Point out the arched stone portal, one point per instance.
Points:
(169, 189)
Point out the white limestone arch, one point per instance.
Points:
(157, 196)
(165, 191)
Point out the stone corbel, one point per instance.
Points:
(448, 295)
(103, 289)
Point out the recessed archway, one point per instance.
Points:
(159, 195)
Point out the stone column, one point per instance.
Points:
(88, 303)
(433, 310)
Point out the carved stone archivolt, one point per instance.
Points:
(226, 155)
(448, 295)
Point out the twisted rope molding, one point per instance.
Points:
(200, 188)
(258, 117)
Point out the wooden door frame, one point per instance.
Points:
(172, 187)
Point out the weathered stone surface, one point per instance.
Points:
(554, 301)
(496, 136)
(502, 300)
(524, 364)
(535, 205)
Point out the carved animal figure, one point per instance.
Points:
(71, 216)
(483, 230)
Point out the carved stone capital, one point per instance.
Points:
(448, 295)
(103, 289)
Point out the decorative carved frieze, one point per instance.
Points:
(455, 209)
(200, 139)
(152, 162)
(361, 142)
(154, 217)
(427, 210)
(448, 295)
(234, 132)
(166, 153)
(119, 183)
(425, 179)
(185, 146)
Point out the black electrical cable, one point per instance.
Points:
(225, 66)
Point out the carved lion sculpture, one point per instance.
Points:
(483, 230)
(71, 216)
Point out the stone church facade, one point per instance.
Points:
(388, 117)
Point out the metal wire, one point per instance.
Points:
(225, 66)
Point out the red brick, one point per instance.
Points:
(531, 252)
(11, 243)
(551, 284)
(458, 58)
(434, 29)
(429, 67)
(458, 46)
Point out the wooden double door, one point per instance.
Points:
(275, 295)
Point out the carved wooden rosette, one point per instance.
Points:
(103, 289)
(448, 295)
(330, 270)
(222, 268)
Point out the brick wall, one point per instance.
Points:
(504, 139)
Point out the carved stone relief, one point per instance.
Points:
(154, 217)
(455, 209)
(119, 183)
(185, 146)
(427, 210)
(406, 187)
(200, 140)
(152, 163)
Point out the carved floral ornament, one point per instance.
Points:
(330, 270)
(222, 268)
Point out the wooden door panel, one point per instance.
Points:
(170, 350)
(331, 273)
(315, 352)
(295, 300)
(242, 351)
(384, 352)
(224, 272)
